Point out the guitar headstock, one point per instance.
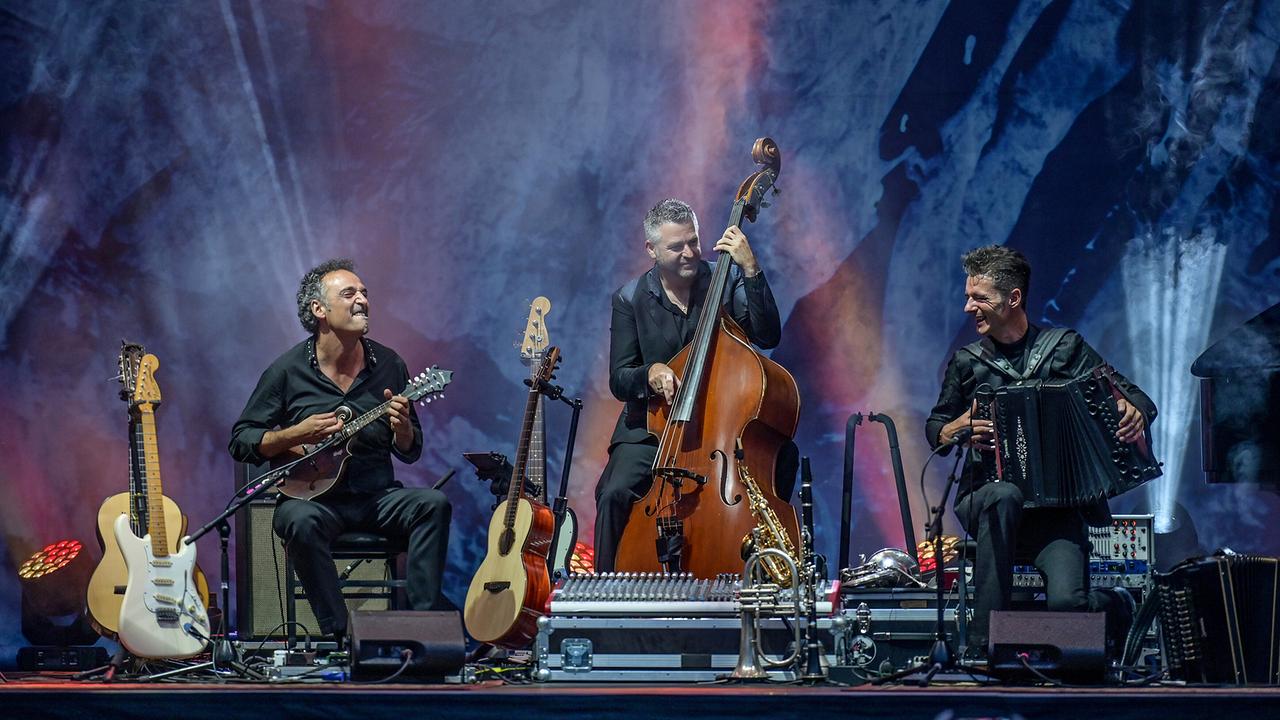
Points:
(536, 337)
(428, 385)
(550, 363)
(146, 391)
(129, 361)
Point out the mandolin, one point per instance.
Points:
(511, 587)
(314, 469)
(107, 585)
(162, 615)
(534, 346)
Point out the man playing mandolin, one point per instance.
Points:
(654, 316)
(303, 398)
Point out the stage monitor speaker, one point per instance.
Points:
(260, 584)
(432, 639)
(1069, 645)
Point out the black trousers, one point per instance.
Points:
(1056, 540)
(627, 477)
(418, 515)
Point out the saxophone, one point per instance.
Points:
(768, 533)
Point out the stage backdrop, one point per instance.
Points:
(169, 170)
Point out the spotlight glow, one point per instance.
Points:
(1170, 285)
(52, 558)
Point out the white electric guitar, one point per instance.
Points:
(162, 615)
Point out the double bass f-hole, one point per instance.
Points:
(724, 475)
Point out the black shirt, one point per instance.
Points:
(1016, 351)
(646, 328)
(293, 388)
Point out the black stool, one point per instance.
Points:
(358, 547)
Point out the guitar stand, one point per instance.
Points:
(560, 508)
(108, 671)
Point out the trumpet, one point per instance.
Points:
(758, 599)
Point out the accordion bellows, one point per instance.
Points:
(1218, 619)
(1056, 440)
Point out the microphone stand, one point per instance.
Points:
(560, 506)
(941, 656)
(225, 654)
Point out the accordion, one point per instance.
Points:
(1218, 619)
(1056, 440)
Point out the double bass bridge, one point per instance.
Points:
(676, 476)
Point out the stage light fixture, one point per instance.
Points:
(54, 581)
(1170, 287)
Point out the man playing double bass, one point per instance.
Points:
(654, 316)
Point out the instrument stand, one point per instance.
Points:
(561, 504)
(225, 656)
(941, 657)
(108, 671)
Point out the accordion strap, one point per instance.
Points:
(1041, 349)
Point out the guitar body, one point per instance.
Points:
(315, 475)
(160, 598)
(510, 590)
(566, 539)
(107, 585)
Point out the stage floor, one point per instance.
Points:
(52, 696)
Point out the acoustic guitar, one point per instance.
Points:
(314, 469)
(162, 615)
(532, 349)
(511, 587)
(106, 589)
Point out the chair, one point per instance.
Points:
(358, 547)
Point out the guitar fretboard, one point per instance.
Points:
(138, 514)
(155, 491)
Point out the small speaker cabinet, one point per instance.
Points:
(1065, 645)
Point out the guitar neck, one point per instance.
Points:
(516, 489)
(155, 491)
(537, 464)
(137, 487)
(350, 429)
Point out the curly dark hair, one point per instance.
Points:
(310, 289)
(1007, 268)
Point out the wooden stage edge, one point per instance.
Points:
(44, 698)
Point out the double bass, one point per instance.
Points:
(734, 411)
